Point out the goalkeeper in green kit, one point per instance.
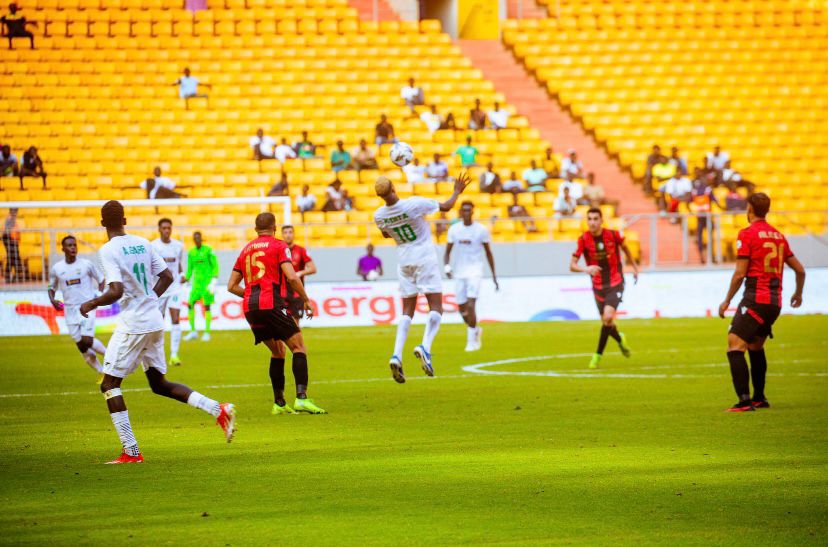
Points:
(202, 273)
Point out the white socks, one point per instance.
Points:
(402, 333)
(175, 339)
(91, 359)
(121, 422)
(206, 404)
(98, 346)
(471, 335)
(431, 328)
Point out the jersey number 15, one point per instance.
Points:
(253, 264)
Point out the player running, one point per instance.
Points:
(762, 252)
(203, 269)
(129, 263)
(602, 252)
(266, 269)
(78, 280)
(472, 240)
(419, 272)
(303, 265)
(172, 251)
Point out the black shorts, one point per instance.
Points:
(753, 321)
(612, 296)
(271, 324)
(295, 307)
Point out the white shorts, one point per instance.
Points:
(467, 287)
(170, 300)
(424, 278)
(126, 351)
(86, 327)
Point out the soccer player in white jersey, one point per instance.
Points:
(172, 251)
(78, 280)
(472, 242)
(419, 271)
(129, 264)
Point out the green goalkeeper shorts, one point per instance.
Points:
(203, 294)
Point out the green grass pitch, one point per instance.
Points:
(638, 452)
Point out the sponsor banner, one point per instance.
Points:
(553, 298)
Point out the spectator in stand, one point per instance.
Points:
(284, 152)
(652, 160)
(571, 165)
(678, 161)
(281, 187)
(432, 119)
(677, 190)
(16, 26)
(413, 96)
(8, 163)
(384, 132)
(535, 178)
(662, 171)
(307, 201)
(490, 181)
(703, 200)
(364, 157)
(564, 205)
(514, 184)
(32, 166)
(262, 146)
(347, 201)
(340, 158)
(594, 193)
(467, 153)
(437, 170)
(575, 189)
(334, 200)
(414, 172)
(188, 88)
(305, 148)
(369, 267)
(11, 240)
(734, 200)
(159, 187)
(450, 122)
(716, 160)
(517, 211)
(499, 117)
(733, 179)
(551, 164)
(477, 117)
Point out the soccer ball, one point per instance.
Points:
(373, 275)
(402, 154)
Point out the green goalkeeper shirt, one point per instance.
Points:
(202, 266)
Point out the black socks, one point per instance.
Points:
(758, 370)
(613, 332)
(300, 374)
(740, 374)
(277, 379)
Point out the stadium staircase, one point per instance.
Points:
(365, 8)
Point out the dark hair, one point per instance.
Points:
(760, 203)
(65, 239)
(467, 202)
(286, 226)
(596, 210)
(196, 234)
(265, 221)
(112, 215)
(163, 220)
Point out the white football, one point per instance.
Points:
(373, 275)
(402, 154)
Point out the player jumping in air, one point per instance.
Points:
(266, 269)
(203, 270)
(762, 252)
(78, 280)
(602, 252)
(129, 264)
(418, 269)
(172, 251)
(472, 240)
(303, 265)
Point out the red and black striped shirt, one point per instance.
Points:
(603, 250)
(767, 250)
(260, 263)
(299, 257)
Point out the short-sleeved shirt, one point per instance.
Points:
(264, 144)
(534, 176)
(603, 250)
(173, 255)
(187, 86)
(78, 282)
(15, 24)
(300, 258)
(340, 159)
(384, 130)
(369, 264)
(469, 253)
(767, 250)
(468, 154)
(131, 260)
(260, 263)
(405, 222)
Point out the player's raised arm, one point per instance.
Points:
(631, 261)
(735, 283)
(296, 284)
(459, 185)
(794, 264)
(234, 284)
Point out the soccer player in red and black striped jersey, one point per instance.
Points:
(265, 267)
(602, 249)
(304, 266)
(762, 252)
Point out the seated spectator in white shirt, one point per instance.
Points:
(490, 181)
(262, 146)
(734, 179)
(564, 205)
(159, 187)
(334, 199)
(679, 189)
(364, 157)
(716, 160)
(514, 184)
(307, 201)
(499, 117)
(414, 172)
(535, 178)
(575, 188)
(432, 119)
(437, 170)
(412, 95)
(572, 165)
(188, 88)
(284, 152)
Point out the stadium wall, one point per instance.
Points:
(548, 298)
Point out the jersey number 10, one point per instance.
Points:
(405, 233)
(774, 251)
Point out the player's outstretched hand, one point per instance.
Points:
(462, 182)
(723, 308)
(593, 270)
(796, 300)
(86, 307)
(308, 310)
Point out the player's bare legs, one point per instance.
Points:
(175, 335)
(435, 316)
(90, 348)
(468, 311)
